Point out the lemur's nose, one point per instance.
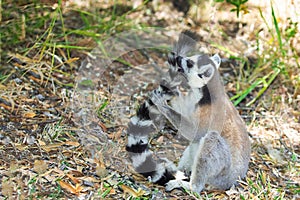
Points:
(190, 63)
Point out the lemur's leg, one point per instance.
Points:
(212, 160)
(187, 159)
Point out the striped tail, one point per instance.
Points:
(148, 120)
(139, 129)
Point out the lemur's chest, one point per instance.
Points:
(186, 104)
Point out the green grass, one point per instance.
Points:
(45, 28)
(271, 63)
(238, 4)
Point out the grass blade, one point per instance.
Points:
(266, 85)
(277, 31)
(245, 92)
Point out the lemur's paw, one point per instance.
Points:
(157, 99)
(176, 184)
(172, 184)
(180, 175)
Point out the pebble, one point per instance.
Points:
(40, 97)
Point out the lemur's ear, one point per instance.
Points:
(217, 60)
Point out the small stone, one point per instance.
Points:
(18, 81)
(40, 97)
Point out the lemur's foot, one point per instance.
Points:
(177, 184)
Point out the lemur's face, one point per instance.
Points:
(198, 69)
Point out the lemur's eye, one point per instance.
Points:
(200, 75)
(190, 63)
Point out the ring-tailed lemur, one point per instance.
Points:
(219, 150)
(149, 119)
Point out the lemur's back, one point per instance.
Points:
(217, 113)
(236, 135)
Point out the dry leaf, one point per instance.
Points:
(76, 173)
(78, 188)
(101, 171)
(132, 191)
(41, 143)
(69, 61)
(160, 139)
(50, 147)
(70, 188)
(118, 134)
(13, 166)
(67, 187)
(112, 191)
(40, 166)
(72, 143)
(91, 179)
(100, 168)
(102, 126)
(29, 115)
(179, 146)
(21, 147)
(2, 87)
(73, 179)
(7, 188)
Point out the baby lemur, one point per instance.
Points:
(219, 149)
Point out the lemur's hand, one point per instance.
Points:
(174, 184)
(158, 98)
(173, 68)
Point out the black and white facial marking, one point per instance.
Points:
(198, 69)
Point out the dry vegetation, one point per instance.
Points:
(63, 112)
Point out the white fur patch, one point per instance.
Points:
(173, 184)
(193, 76)
(195, 81)
(132, 140)
(145, 123)
(180, 175)
(136, 121)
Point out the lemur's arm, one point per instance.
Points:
(180, 122)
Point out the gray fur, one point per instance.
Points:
(186, 43)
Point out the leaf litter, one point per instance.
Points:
(45, 152)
